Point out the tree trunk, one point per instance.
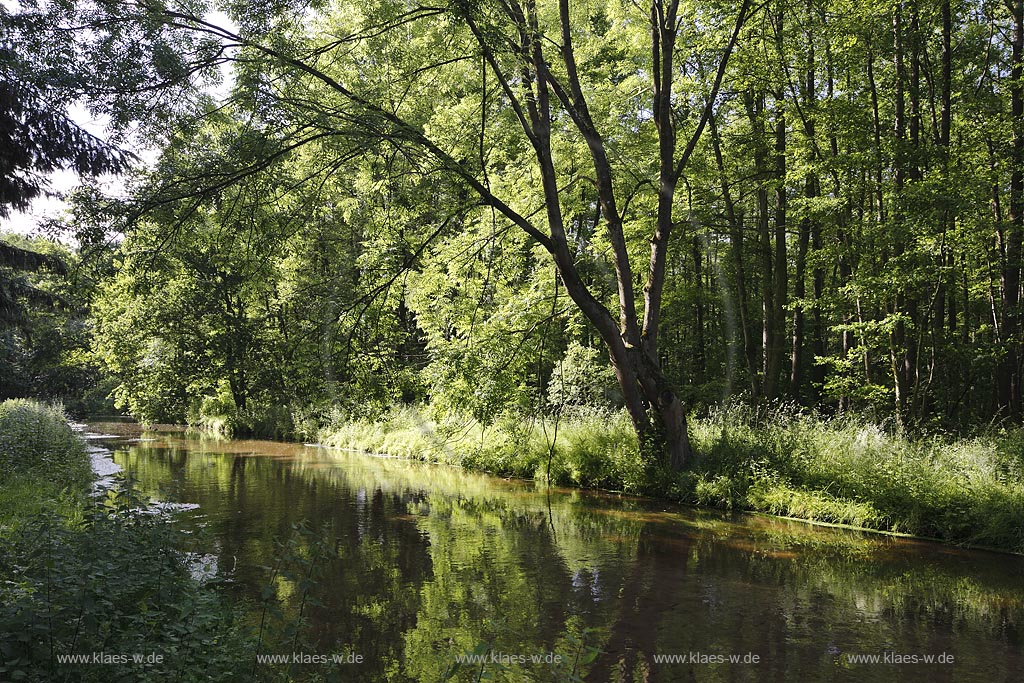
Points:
(780, 276)
(799, 292)
(700, 365)
(898, 338)
(739, 268)
(805, 230)
(1010, 373)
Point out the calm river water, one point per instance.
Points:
(418, 565)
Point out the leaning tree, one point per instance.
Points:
(520, 101)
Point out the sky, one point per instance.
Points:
(62, 182)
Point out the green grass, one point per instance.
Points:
(43, 464)
(593, 449)
(780, 461)
(850, 471)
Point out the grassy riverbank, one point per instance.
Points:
(837, 470)
(80, 576)
(43, 465)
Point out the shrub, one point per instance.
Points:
(111, 585)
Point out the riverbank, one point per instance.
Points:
(84, 576)
(43, 465)
(966, 491)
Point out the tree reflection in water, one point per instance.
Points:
(428, 563)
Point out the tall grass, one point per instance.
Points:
(594, 449)
(783, 461)
(848, 470)
(36, 437)
(43, 464)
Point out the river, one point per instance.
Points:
(399, 569)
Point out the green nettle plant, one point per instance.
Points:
(111, 599)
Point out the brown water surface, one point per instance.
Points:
(425, 563)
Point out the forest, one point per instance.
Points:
(752, 255)
(610, 219)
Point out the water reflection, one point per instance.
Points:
(424, 563)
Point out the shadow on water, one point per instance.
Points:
(426, 563)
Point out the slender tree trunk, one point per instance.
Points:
(817, 242)
(698, 309)
(773, 244)
(658, 390)
(805, 229)
(1010, 374)
(947, 76)
(781, 265)
(739, 267)
(898, 338)
(770, 360)
(912, 347)
(799, 293)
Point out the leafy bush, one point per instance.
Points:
(583, 378)
(112, 585)
(219, 415)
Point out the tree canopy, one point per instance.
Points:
(818, 201)
(37, 136)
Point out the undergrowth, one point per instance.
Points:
(43, 464)
(89, 577)
(843, 470)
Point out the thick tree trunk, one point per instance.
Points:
(672, 417)
(655, 410)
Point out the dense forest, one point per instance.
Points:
(758, 255)
(506, 207)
